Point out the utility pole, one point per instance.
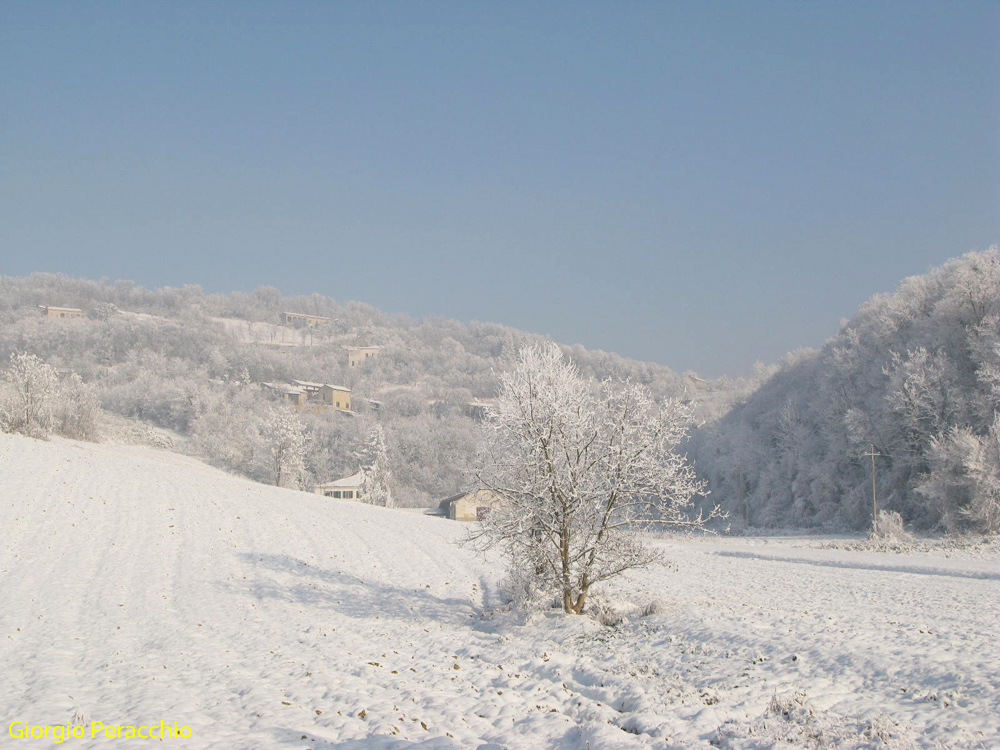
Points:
(874, 501)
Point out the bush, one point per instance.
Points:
(890, 528)
(29, 397)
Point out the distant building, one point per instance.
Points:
(301, 320)
(358, 355)
(337, 396)
(348, 488)
(469, 506)
(60, 312)
(288, 393)
(304, 393)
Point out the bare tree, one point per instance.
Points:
(579, 466)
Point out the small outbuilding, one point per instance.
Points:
(49, 311)
(469, 506)
(288, 393)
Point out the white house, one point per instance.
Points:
(348, 488)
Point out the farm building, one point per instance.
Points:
(358, 355)
(289, 393)
(469, 506)
(301, 320)
(49, 311)
(318, 395)
(348, 488)
(337, 396)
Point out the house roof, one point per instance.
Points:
(449, 500)
(61, 309)
(284, 388)
(316, 386)
(306, 315)
(352, 481)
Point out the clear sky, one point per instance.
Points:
(701, 184)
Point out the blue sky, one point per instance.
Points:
(700, 184)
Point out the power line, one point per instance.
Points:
(874, 500)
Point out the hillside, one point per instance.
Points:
(914, 375)
(193, 363)
(142, 586)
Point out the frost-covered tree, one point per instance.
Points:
(983, 467)
(76, 415)
(377, 476)
(30, 396)
(578, 466)
(284, 442)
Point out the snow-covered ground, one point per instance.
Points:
(139, 586)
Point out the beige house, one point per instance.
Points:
(301, 320)
(358, 355)
(60, 312)
(469, 506)
(348, 488)
(337, 396)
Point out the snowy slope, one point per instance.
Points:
(140, 586)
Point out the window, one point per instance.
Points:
(348, 495)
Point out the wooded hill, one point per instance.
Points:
(193, 363)
(915, 374)
(913, 377)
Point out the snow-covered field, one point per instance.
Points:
(139, 586)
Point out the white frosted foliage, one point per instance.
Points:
(579, 466)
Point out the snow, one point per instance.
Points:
(256, 331)
(141, 586)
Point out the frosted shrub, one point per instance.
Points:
(29, 396)
(605, 613)
(77, 410)
(890, 527)
(789, 722)
(653, 607)
(523, 590)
